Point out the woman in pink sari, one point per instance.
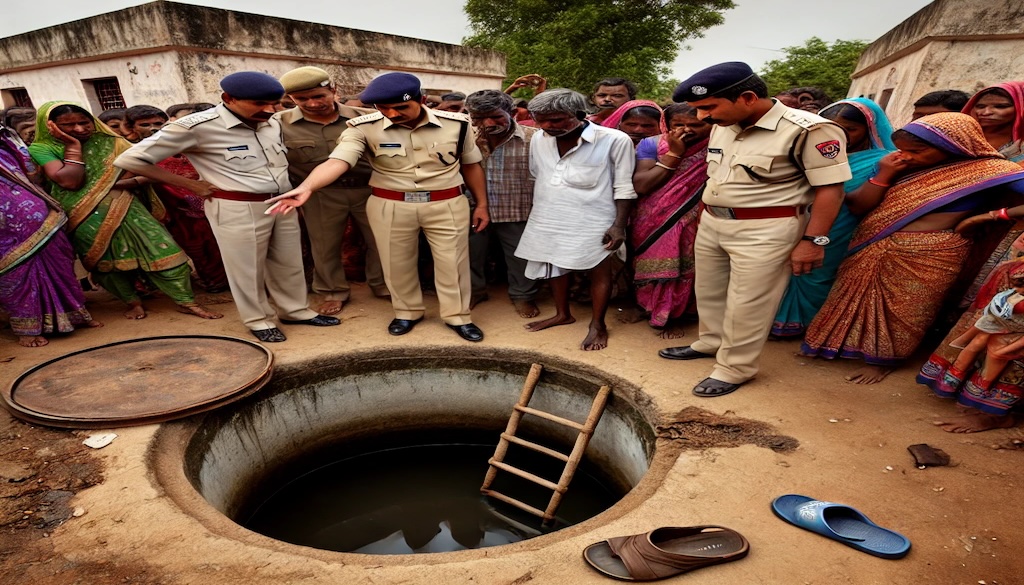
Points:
(670, 173)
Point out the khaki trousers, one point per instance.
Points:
(396, 227)
(326, 215)
(742, 270)
(261, 253)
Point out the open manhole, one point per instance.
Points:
(385, 454)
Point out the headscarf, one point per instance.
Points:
(863, 163)
(976, 167)
(1016, 91)
(615, 118)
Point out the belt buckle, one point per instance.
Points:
(417, 196)
(721, 212)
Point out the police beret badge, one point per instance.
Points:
(828, 149)
(698, 90)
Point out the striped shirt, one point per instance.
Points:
(509, 183)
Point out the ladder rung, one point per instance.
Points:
(527, 475)
(535, 447)
(514, 502)
(547, 415)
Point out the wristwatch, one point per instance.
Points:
(817, 240)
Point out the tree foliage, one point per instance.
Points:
(816, 63)
(574, 43)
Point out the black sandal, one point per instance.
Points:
(712, 388)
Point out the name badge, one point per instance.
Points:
(715, 150)
(234, 148)
(389, 145)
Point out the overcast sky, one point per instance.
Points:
(755, 31)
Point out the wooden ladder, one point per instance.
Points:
(571, 460)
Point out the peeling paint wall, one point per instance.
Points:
(164, 53)
(949, 44)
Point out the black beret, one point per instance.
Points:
(252, 85)
(391, 88)
(709, 82)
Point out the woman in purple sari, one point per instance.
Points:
(38, 288)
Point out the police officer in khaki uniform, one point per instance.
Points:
(238, 151)
(775, 185)
(420, 160)
(311, 131)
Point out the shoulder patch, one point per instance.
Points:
(371, 117)
(803, 119)
(197, 118)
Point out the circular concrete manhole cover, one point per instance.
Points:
(139, 381)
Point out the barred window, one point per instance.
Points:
(108, 93)
(17, 97)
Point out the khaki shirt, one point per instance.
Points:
(311, 143)
(764, 150)
(224, 150)
(410, 159)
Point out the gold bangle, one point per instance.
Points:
(664, 166)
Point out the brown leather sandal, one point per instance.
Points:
(665, 552)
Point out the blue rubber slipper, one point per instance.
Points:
(841, 523)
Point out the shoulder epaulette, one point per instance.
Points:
(451, 115)
(197, 118)
(371, 117)
(804, 119)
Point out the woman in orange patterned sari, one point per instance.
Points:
(905, 255)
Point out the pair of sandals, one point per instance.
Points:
(667, 552)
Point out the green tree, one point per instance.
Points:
(816, 63)
(574, 43)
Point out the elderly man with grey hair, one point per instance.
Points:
(581, 203)
(505, 146)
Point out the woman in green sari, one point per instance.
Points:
(113, 233)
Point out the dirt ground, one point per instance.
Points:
(73, 515)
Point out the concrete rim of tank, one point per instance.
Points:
(168, 449)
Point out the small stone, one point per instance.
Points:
(994, 538)
(832, 420)
(981, 583)
(78, 512)
(888, 467)
(922, 467)
(938, 489)
(974, 538)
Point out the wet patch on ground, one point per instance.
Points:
(41, 470)
(696, 428)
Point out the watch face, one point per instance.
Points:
(821, 240)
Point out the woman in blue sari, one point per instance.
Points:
(868, 134)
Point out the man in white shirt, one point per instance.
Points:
(582, 198)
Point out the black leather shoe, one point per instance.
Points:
(272, 335)
(402, 326)
(469, 332)
(683, 353)
(318, 321)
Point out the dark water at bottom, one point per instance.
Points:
(420, 499)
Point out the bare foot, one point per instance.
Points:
(975, 422)
(135, 311)
(330, 307)
(32, 340)
(552, 322)
(94, 323)
(526, 309)
(632, 314)
(199, 311)
(670, 331)
(869, 375)
(596, 339)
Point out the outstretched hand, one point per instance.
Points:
(972, 222)
(286, 202)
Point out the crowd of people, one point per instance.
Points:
(759, 217)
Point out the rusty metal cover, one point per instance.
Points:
(140, 381)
